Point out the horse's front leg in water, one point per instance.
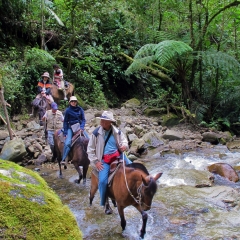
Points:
(85, 169)
(144, 224)
(60, 170)
(121, 214)
(79, 173)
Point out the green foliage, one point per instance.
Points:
(168, 51)
(12, 82)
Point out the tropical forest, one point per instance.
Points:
(179, 56)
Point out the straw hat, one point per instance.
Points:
(46, 74)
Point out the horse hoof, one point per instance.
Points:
(77, 181)
(65, 167)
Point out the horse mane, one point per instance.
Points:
(138, 166)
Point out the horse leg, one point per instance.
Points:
(122, 217)
(85, 169)
(114, 202)
(79, 173)
(60, 169)
(144, 224)
(94, 187)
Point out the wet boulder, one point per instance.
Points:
(13, 150)
(225, 170)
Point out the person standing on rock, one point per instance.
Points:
(54, 120)
(106, 144)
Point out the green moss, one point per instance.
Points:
(170, 120)
(30, 209)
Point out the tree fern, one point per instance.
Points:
(160, 53)
(145, 51)
(168, 50)
(222, 61)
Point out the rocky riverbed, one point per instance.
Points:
(191, 202)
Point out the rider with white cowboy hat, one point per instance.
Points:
(106, 144)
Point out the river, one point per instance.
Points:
(179, 211)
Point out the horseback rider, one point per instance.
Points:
(54, 119)
(44, 88)
(74, 122)
(58, 79)
(106, 144)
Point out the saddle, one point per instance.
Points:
(75, 137)
(113, 169)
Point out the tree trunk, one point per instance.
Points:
(5, 111)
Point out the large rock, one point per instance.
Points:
(132, 103)
(13, 150)
(3, 134)
(30, 209)
(225, 170)
(169, 120)
(172, 135)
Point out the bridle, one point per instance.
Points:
(137, 199)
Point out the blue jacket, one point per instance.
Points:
(73, 115)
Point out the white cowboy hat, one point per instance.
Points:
(73, 98)
(107, 115)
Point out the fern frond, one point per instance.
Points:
(145, 51)
(139, 64)
(167, 50)
(35, 55)
(199, 110)
(221, 60)
(159, 36)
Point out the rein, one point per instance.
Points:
(138, 199)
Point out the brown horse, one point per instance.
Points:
(77, 155)
(58, 94)
(130, 186)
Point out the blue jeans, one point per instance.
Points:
(103, 178)
(68, 142)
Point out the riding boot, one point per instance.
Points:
(108, 209)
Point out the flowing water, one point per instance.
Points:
(178, 211)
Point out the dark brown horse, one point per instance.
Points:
(77, 155)
(130, 187)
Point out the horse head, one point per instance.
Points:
(149, 188)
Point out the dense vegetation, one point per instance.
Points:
(179, 55)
